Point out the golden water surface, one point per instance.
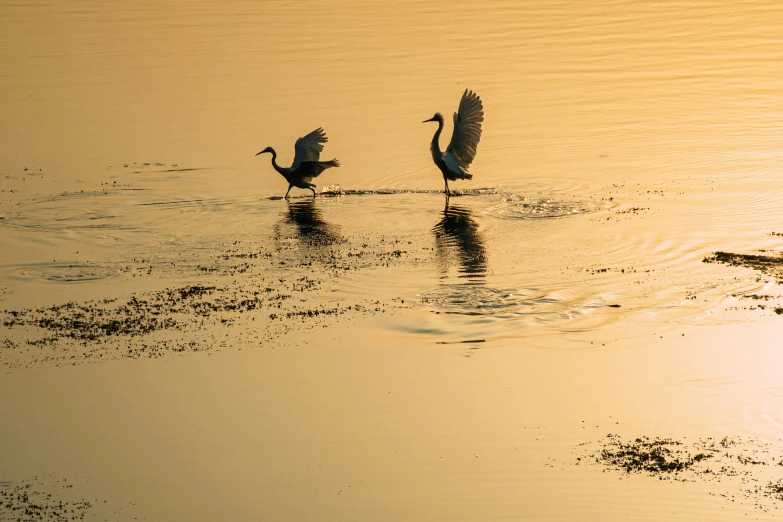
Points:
(560, 296)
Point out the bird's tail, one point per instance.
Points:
(467, 175)
(329, 164)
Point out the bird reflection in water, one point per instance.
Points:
(457, 235)
(309, 225)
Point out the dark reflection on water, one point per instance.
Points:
(457, 235)
(309, 225)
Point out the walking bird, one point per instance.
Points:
(306, 165)
(462, 148)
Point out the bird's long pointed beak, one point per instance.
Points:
(431, 119)
(257, 153)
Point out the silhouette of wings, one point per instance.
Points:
(309, 147)
(467, 129)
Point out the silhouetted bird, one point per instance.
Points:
(306, 165)
(462, 148)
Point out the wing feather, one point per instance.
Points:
(452, 163)
(467, 128)
(309, 147)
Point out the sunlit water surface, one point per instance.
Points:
(558, 296)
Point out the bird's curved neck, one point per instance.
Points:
(435, 145)
(277, 167)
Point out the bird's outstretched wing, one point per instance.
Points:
(467, 129)
(309, 147)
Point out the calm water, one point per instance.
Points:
(462, 350)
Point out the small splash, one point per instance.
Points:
(514, 206)
(504, 204)
(479, 300)
(332, 191)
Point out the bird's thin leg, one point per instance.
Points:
(311, 188)
(287, 191)
(448, 193)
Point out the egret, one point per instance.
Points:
(306, 165)
(462, 148)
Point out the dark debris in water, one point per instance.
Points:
(95, 320)
(774, 489)
(241, 294)
(34, 501)
(174, 320)
(761, 302)
(771, 265)
(648, 455)
(742, 468)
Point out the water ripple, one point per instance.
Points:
(61, 272)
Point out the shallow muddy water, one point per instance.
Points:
(589, 329)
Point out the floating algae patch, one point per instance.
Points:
(774, 489)
(771, 265)
(192, 318)
(740, 469)
(759, 302)
(36, 500)
(95, 320)
(237, 293)
(643, 454)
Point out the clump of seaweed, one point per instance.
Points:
(738, 466)
(647, 455)
(771, 265)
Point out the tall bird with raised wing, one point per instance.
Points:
(306, 165)
(462, 148)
